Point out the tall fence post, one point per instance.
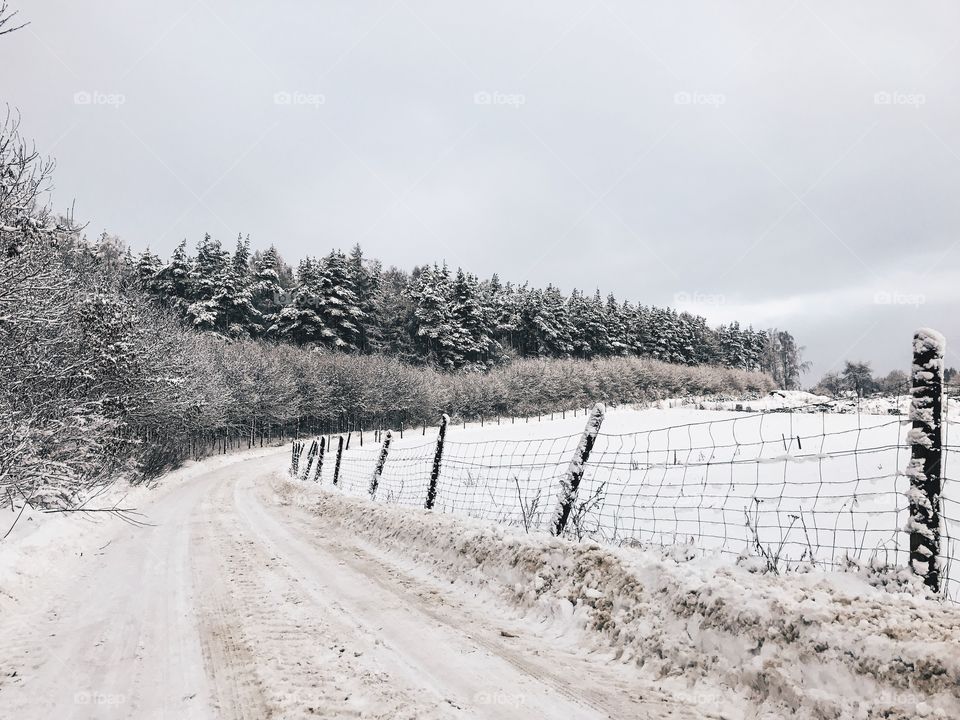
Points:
(571, 480)
(381, 461)
(437, 459)
(323, 448)
(336, 467)
(311, 454)
(926, 454)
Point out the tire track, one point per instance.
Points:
(506, 678)
(271, 650)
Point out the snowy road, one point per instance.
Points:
(233, 605)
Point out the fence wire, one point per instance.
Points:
(788, 487)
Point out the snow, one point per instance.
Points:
(235, 602)
(39, 541)
(808, 645)
(254, 593)
(662, 476)
(926, 339)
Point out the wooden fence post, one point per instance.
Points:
(571, 480)
(323, 448)
(926, 454)
(437, 459)
(295, 457)
(336, 467)
(311, 454)
(381, 461)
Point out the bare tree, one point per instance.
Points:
(7, 20)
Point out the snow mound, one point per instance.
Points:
(862, 644)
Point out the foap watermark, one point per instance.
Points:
(499, 698)
(885, 297)
(88, 697)
(698, 298)
(299, 98)
(899, 98)
(97, 97)
(695, 97)
(495, 97)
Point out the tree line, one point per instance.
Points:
(858, 378)
(111, 363)
(432, 315)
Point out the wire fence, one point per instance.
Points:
(802, 486)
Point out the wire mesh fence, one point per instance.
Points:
(803, 486)
(950, 513)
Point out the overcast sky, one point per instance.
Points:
(794, 164)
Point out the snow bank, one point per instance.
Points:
(810, 645)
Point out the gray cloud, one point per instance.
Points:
(789, 162)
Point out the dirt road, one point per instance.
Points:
(233, 604)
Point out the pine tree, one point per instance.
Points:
(266, 293)
(173, 280)
(234, 297)
(394, 309)
(578, 312)
(207, 277)
(473, 323)
(547, 323)
(596, 329)
(148, 269)
(299, 322)
(435, 330)
(337, 303)
(615, 319)
(366, 278)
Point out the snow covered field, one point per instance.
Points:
(792, 487)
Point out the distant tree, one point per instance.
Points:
(436, 329)
(365, 276)
(337, 303)
(148, 268)
(299, 322)
(239, 315)
(616, 324)
(172, 283)
(474, 322)
(857, 376)
(830, 384)
(394, 312)
(896, 382)
(783, 359)
(267, 294)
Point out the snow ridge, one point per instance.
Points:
(811, 645)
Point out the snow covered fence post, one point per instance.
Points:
(926, 453)
(311, 454)
(336, 467)
(571, 481)
(381, 461)
(437, 459)
(323, 448)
